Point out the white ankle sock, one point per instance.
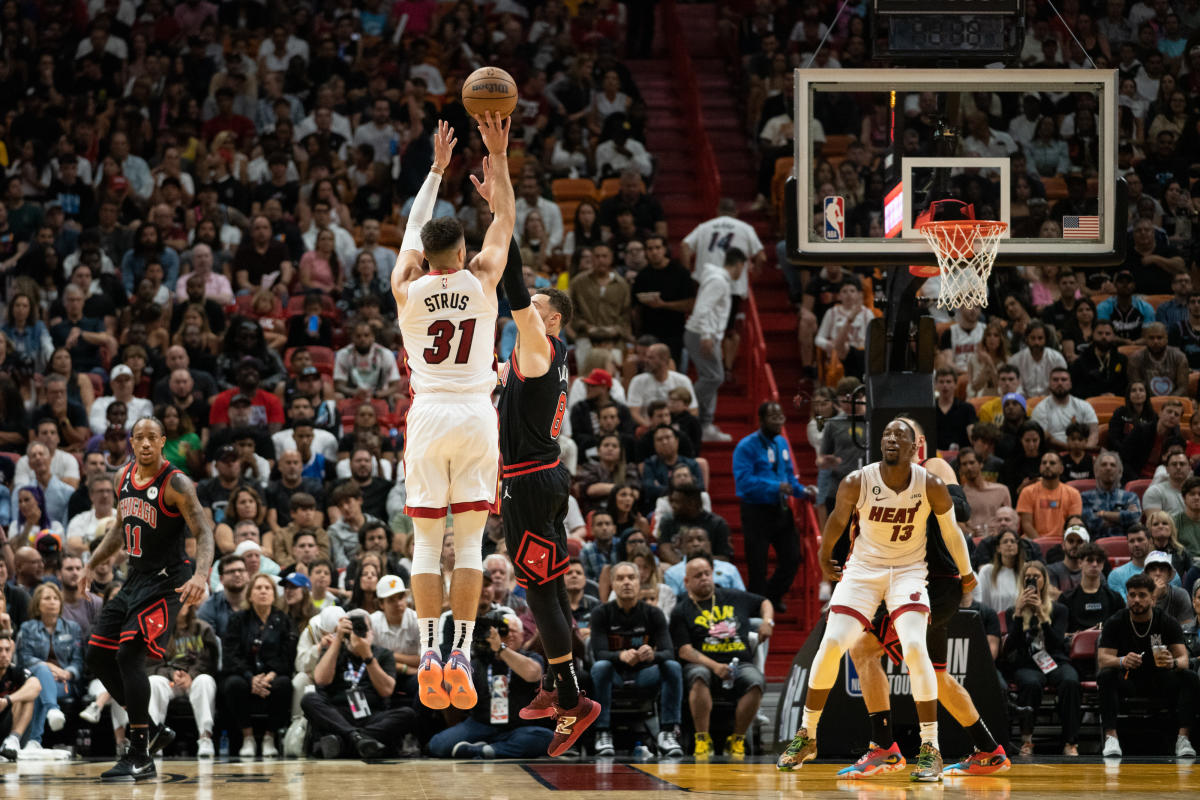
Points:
(427, 626)
(809, 721)
(929, 733)
(464, 629)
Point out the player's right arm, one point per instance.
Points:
(497, 189)
(412, 253)
(533, 349)
(835, 525)
(114, 540)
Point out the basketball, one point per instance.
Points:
(490, 89)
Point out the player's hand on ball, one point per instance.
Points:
(193, 592)
(443, 145)
(494, 132)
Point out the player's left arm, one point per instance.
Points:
(410, 262)
(943, 509)
(181, 493)
(497, 189)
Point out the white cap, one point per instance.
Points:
(389, 585)
(1159, 557)
(1077, 530)
(118, 371)
(328, 619)
(246, 547)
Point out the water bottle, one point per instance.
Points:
(641, 752)
(728, 682)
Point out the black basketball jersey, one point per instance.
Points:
(154, 532)
(532, 410)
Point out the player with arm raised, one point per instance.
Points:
(888, 503)
(156, 507)
(451, 458)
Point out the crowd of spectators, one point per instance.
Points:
(201, 210)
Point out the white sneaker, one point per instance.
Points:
(668, 745)
(204, 747)
(1183, 748)
(11, 746)
(31, 747)
(1112, 747)
(604, 744)
(56, 719)
(712, 433)
(91, 714)
(247, 750)
(268, 747)
(293, 739)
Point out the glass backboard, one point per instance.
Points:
(1034, 148)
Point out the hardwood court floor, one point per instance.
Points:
(539, 780)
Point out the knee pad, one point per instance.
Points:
(427, 546)
(468, 539)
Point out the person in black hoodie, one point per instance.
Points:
(630, 639)
(1036, 654)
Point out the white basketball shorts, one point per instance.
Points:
(864, 586)
(451, 454)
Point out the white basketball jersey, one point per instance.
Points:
(890, 526)
(709, 240)
(449, 328)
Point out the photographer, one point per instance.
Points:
(1036, 654)
(346, 707)
(507, 681)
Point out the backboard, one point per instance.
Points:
(1034, 148)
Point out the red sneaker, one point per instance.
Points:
(572, 722)
(980, 763)
(460, 682)
(429, 680)
(542, 705)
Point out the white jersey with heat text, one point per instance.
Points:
(449, 324)
(889, 526)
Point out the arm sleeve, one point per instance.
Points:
(421, 212)
(514, 278)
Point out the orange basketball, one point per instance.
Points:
(490, 89)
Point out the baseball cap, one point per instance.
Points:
(227, 452)
(47, 542)
(246, 547)
(1079, 531)
(389, 585)
(1159, 557)
(329, 617)
(241, 400)
(1017, 396)
(298, 580)
(599, 377)
(120, 371)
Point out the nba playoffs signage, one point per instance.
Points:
(948, 6)
(845, 729)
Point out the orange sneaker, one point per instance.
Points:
(542, 706)
(460, 681)
(429, 679)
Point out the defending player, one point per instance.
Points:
(535, 492)
(156, 507)
(451, 458)
(890, 501)
(948, 562)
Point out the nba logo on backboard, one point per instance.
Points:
(835, 219)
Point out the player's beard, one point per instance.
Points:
(891, 460)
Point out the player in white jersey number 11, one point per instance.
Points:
(448, 318)
(888, 503)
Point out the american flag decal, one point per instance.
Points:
(1081, 227)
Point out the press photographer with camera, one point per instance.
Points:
(355, 679)
(506, 680)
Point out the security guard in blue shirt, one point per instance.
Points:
(765, 478)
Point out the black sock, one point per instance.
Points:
(881, 729)
(548, 680)
(567, 683)
(981, 736)
(139, 736)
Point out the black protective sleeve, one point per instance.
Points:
(514, 278)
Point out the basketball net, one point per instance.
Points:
(965, 250)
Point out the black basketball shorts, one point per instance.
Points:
(145, 608)
(944, 597)
(534, 508)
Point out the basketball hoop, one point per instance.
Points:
(965, 251)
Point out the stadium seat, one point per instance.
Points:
(328, 309)
(576, 189)
(1104, 406)
(1084, 485)
(980, 402)
(1056, 188)
(837, 144)
(1138, 487)
(567, 209)
(322, 358)
(1193, 383)
(960, 392)
(1157, 299)
(1083, 656)
(1114, 546)
(1031, 403)
(1118, 561)
(1046, 542)
(1159, 402)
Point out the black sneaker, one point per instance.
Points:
(329, 746)
(366, 746)
(131, 767)
(162, 738)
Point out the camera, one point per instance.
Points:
(358, 626)
(480, 649)
(1031, 582)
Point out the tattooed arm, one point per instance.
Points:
(181, 493)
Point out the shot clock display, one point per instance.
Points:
(948, 31)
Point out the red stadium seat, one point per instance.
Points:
(322, 358)
(1085, 485)
(1138, 487)
(1114, 546)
